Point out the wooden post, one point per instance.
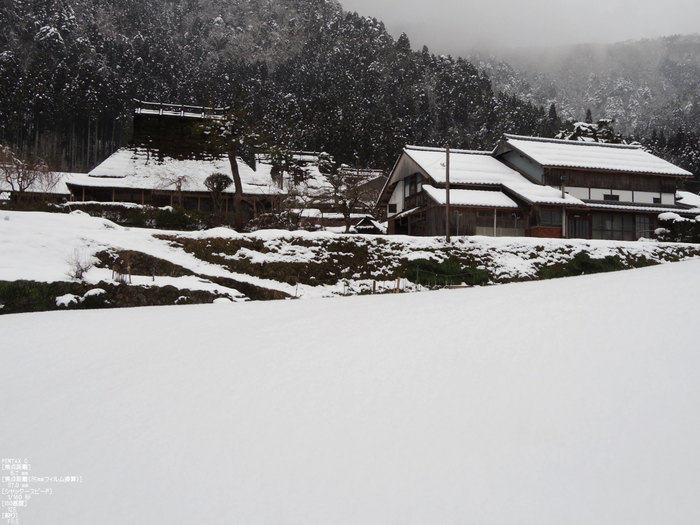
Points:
(495, 214)
(143, 197)
(563, 208)
(447, 193)
(113, 193)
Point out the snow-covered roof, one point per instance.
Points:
(55, 184)
(688, 198)
(140, 169)
(593, 155)
(480, 168)
(177, 110)
(485, 198)
(627, 207)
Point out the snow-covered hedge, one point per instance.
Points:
(674, 228)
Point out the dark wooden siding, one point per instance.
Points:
(611, 180)
(170, 135)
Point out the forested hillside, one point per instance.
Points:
(310, 76)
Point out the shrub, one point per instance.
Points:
(582, 264)
(428, 272)
(178, 218)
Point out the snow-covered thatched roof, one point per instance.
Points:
(140, 169)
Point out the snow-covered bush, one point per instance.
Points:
(674, 228)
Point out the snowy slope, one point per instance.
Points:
(564, 401)
(39, 247)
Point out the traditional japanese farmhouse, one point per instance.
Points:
(533, 187)
(168, 162)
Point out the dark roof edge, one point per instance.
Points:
(429, 148)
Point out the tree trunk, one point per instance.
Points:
(238, 195)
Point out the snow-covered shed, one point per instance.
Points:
(534, 187)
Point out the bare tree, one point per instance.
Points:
(79, 263)
(20, 175)
(350, 193)
(47, 182)
(298, 198)
(175, 182)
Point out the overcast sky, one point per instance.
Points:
(457, 27)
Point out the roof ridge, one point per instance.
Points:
(436, 149)
(573, 142)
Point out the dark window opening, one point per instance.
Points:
(642, 226)
(611, 197)
(550, 217)
(613, 226)
(657, 200)
(413, 184)
(579, 228)
(392, 208)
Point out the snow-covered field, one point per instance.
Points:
(563, 401)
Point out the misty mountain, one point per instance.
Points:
(643, 84)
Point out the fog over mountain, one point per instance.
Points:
(458, 28)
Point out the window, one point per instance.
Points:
(578, 228)
(550, 217)
(611, 197)
(392, 208)
(641, 226)
(657, 200)
(614, 226)
(412, 184)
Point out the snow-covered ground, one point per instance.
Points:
(40, 247)
(563, 401)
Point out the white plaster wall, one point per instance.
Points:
(397, 198)
(645, 197)
(625, 195)
(579, 193)
(597, 194)
(668, 198)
